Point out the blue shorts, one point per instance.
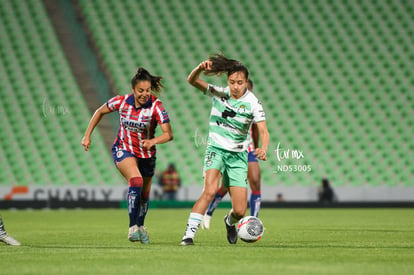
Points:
(145, 166)
(251, 157)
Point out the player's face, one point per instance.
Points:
(142, 92)
(237, 84)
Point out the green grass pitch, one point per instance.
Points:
(296, 241)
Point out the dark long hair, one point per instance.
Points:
(222, 64)
(144, 75)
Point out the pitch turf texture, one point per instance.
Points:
(296, 241)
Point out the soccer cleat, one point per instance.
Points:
(6, 238)
(205, 223)
(231, 231)
(143, 235)
(9, 240)
(187, 241)
(133, 234)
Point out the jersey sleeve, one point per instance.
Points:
(216, 91)
(258, 112)
(114, 103)
(160, 113)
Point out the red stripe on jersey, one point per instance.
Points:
(250, 139)
(137, 124)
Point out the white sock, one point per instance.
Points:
(192, 225)
(230, 219)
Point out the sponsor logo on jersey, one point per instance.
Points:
(131, 125)
(224, 124)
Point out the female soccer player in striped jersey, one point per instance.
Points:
(134, 150)
(234, 108)
(253, 176)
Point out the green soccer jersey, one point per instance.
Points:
(230, 119)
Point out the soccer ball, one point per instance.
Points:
(250, 229)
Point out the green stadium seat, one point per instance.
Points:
(319, 67)
(42, 141)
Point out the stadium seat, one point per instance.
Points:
(334, 77)
(45, 114)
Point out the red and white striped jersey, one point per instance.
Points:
(250, 148)
(137, 124)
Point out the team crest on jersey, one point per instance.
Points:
(119, 154)
(241, 109)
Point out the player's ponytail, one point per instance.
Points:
(144, 75)
(222, 64)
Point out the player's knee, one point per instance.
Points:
(209, 194)
(238, 213)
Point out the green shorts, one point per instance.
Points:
(232, 165)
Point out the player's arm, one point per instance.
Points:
(97, 116)
(194, 76)
(167, 135)
(260, 152)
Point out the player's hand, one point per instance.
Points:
(205, 65)
(260, 154)
(147, 143)
(86, 142)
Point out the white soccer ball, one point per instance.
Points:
(250, 229)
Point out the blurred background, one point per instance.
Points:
(335, 78)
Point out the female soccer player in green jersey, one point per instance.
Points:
(234, 109)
